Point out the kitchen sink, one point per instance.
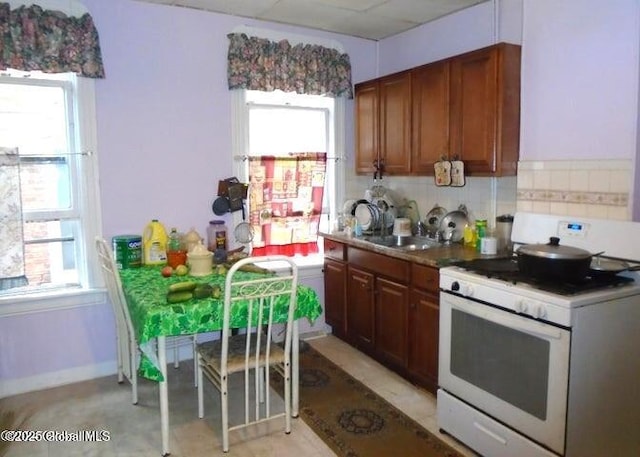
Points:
(406, 243)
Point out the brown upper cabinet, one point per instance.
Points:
(383, 125)
(466, 107)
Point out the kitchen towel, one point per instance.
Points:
(457, 173)
(442, 173)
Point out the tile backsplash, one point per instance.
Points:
(589, 188)
(483, 197)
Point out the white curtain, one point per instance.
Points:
(12, 272)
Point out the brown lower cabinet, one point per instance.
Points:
(385, 307)
(360, 309)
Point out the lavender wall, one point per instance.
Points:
(580, 79)
(164, 122)
(164, 141)
(466, 30)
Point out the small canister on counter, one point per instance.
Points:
(216, 235)
(504, 224)
(127, 250)
(489, 245)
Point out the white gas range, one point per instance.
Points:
(531, 369)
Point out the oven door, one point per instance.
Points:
(511, 367)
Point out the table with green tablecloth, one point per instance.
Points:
(154, 319)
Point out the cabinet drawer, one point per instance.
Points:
(423, 277)
(381, 264)
(334, 250)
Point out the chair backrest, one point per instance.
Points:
(263, 296)
(114, 285)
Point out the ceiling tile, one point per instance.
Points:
(371, 26)
(420, 10)
(371, 19)
(307, 13)
(245, 8)
(354, 5)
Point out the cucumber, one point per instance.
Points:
(184, 286)
(216, 291)
(177, 297)
(202, 291)
(252, 268)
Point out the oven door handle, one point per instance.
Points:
(531, 327)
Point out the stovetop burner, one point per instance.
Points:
(506, 269)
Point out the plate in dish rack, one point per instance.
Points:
(363, 216)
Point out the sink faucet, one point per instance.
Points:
(421, 229)
(383, 224)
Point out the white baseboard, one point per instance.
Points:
(48, 380)
(54, 379)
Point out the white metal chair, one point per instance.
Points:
(252, 353)
(127, 344)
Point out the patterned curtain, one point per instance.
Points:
(49, 41)
(260, 64)
(12, 272)
(285, 202)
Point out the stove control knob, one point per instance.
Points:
(539, 311)
(522, 306)
(455, 286)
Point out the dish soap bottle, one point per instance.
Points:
(154, 244)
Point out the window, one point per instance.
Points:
(50, 120)
(273, 123)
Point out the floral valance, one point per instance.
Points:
(49, 41)
(261, 64)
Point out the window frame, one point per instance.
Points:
(82, 125)
(336, 155)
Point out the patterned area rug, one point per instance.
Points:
(353, 420)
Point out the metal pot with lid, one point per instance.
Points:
(432, 220)
(554, 261)
(453, 223)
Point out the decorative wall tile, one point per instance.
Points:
(590, 188)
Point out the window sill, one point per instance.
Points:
(35, 303)
(308, 266)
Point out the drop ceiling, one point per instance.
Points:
(370, 19)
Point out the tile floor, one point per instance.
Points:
(103, 404)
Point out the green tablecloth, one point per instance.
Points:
(145, 290)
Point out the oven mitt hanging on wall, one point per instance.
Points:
(457, 173)
(442, 173)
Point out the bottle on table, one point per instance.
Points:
(216, 235)
(154, 244)
(176, 251)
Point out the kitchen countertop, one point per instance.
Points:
(439, 256)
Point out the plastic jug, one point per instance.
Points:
(154, 244)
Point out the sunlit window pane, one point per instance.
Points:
(48, 183)
(51, 250)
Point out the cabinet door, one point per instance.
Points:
(335, 290)
(392, 301)
(430, 94)
(366, 126)
(424, 316)
(395, 124)
(360, 308)
(474, 109)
